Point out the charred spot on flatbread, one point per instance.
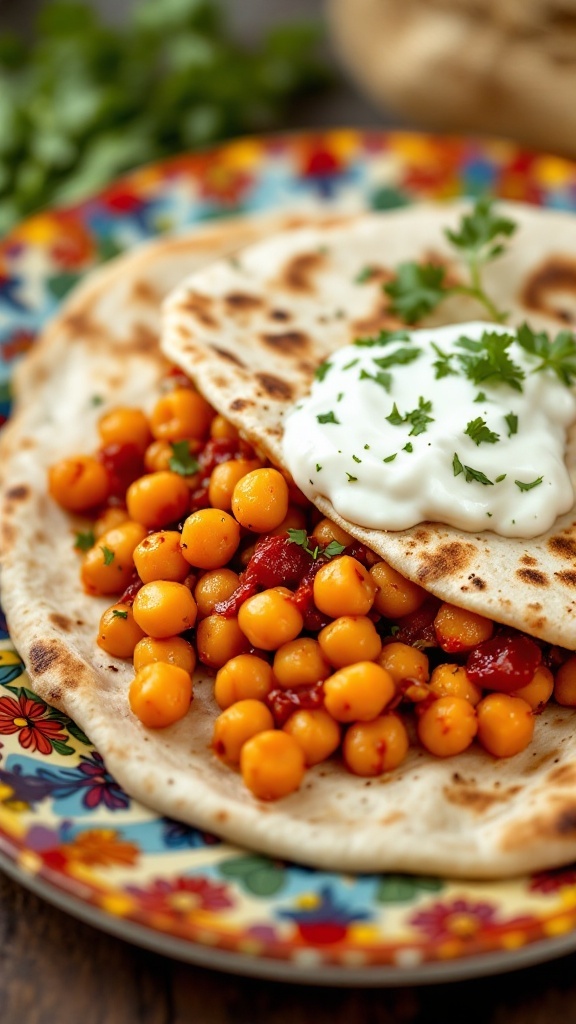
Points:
(225, 353)
(287, 342)
(469, 795)
(44, 654)
(280, 314)
(551, 289)
(239, 404)
(567, 577)
(142, 341)
(446, 560)
(275, 387)
(242, 302)
(18, 493)
(201, 308)
(61, 621)
(564, 546)
(299, 273)
(534, 577)
(144, 291)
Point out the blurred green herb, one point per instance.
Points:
(85, 102)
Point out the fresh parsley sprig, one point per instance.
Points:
(418, 418)
(480, 433)
(419, 288)
(558, 355)
(487, 359)
(300, 537)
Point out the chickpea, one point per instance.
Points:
(237, 724)
(458, 630)
(343, 587)
(224, 478)
(221, 429)
(160, 694)
(447, 726)
(243, 677)
(118, 633)
(272, 764)
(452, 681)
(181, 414)
(270, 619)
(396, 596)
(404, 662)
(124, 425)
(159, 454)
(300, 662)
(111, 517)
(372, 748)
(358, 692)
(565, 683)
(158, 499)
(173, 650)
(164, 608)
(218, 639)
(210, 537)
(326, 531)
(295, 519)
(505, 724)
(214, 586)
(159, 557)
(109, 565)
(78, 483)
(260, 500)
(539, 690)
(348, 639)
(316, 732)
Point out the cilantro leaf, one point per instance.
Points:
(418, 418)
(443, 365)
(558, 355)
(182, 461)
(480, 433)
(512, 423)
(395, 418)
(478, 231)
(488, 359)
(321, 371)
(528, 486)
(327, 417)
(108, 554)
(84, 540)
(399, 357)
(301, 538)
(470, 474)
(333, 548)
(382, 378)
(416, 290)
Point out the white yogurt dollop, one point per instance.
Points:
(393, 443)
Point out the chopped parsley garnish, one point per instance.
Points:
(300, 537)
(352, 363)
(108, 554)
(321, 371)
(340, 396)
(356, 459)
(366, 274)
(366, 447)
(512, 422)
(470, 474)
(480, 433)
(182, 461)
(488, 359)
(558, 355)
(399, 357)
(84, 540)
(318, 467)
(481, 397)
(351, 479)
(382, 378)
(500, 478)
(443, 365)
(390, 458)
(119, 614)
(479, 238)
(418, 418)
(382, 338)
(528, 487)
(96, 400)
(327, 417)
(409, 447)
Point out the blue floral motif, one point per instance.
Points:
(325, 908)
(177, 835)
(89, 780)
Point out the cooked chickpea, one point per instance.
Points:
(447, 726)
(218, 639)
(164, 608)
(210, 538)
(343, 587)
(565, 683)
(237, 724)
(459, 630)
(396, 596)
(300, 662)
(295, 519)
(223, 480)
(316, 732)
(221, 429)
(260, 500)
(505, 724)
(125, 426)
(173, 650)
(326, 531)
(214, 586)
(243, 677)
(272, 765)
(159, 557)
(110, 518)
(180, 414)
(78, 483)
(358, 692)
(109, 565)
(160, 694)
(539, 690)
(158, 499)
(270, 619)
(348, 639)
(449, 680)
(372, 748)
(118, 633)
(404, 662)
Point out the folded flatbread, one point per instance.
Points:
(467, 816)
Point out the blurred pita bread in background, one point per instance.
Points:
(504, 67)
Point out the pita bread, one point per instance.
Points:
(498, 66)
(469, 816)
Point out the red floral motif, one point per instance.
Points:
(29, 718)
(182, 896)
(459, 919)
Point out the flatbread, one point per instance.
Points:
(223, 328)
(468, 816)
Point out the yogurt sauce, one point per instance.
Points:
(391, 442)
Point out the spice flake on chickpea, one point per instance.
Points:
(246, 663)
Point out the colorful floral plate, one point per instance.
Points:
(67, 830)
